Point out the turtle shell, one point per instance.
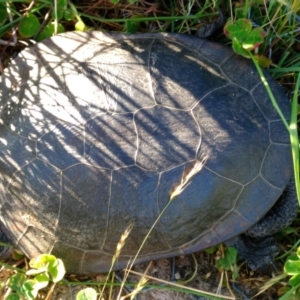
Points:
(98, 130)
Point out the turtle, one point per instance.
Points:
(100, 132)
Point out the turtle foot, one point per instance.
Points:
(256, 252)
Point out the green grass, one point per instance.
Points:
(21, 21)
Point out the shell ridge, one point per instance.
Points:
(84, 163)
(270, 184)
(63, 123)
(150, 58)
(259, 107)
(33, 226)
(108, 211)
(20, 135)
(216, 173)
(159, 211)
(48, 163)
(60, 202)
(238, 196)
(18, 170)
(197, 238)
(207, 94)
(261, 167)
(200, 135)
(137, 137)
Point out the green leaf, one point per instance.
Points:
(254, 39)
(48, 31)
(263, 61)
(239, 12)
(211, 250)
(48, 263)
(298, 252)
(3, 13)
(244, 39)
(87, 294)
(29, 26)
(34, 272)
(59, 13)
(17, 255)
(13, 297)
(239, 29)
(292, 265)
(228, 262)
(114, 1)
(132, 26)
(68, 15)
(289, 230)
(42, 280)
(290, 295)
(294, 280)
(28, 289)
(283, 290)
(57, 271)
(62, 4)
(238, 48)
(293, 257)
(43, 261)
(16, 281)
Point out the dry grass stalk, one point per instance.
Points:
(121, 243)
(187, 175)
(180, 286)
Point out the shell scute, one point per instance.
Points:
(196, 205)
(262, 99)
(111, 141)
(136, 189)
(252, 197)
(13, 145)
(37, 180)
(227, 117)
(192, 78)
(86, 195)
(166, 138)
(63, 146)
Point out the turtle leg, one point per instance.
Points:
(256, 252)
(257, 246)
